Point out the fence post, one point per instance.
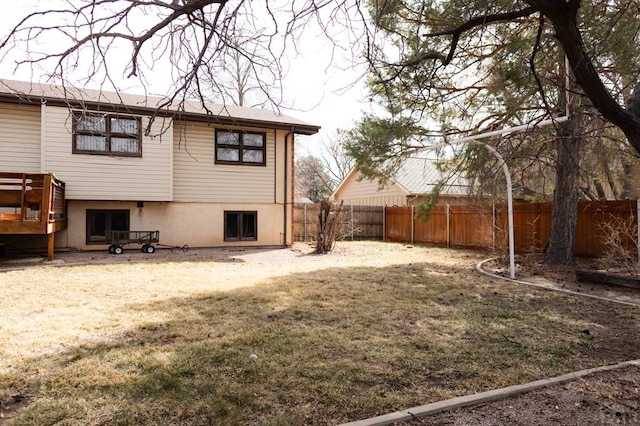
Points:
(351, 221)
(448, 211)
(305, 222)
(384, 223)
(493, 227)
(413, 225)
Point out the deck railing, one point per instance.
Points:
(32, 203)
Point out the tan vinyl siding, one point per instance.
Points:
(198, 178)
(20, 138)
(367, 193)
(103, 177)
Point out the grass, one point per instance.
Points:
(376, 332)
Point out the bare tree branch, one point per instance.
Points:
(563, 16)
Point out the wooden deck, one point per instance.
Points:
(32, 203)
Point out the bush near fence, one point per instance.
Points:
(481, 227)
(356, 222)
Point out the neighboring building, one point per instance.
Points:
(303, 200)
(221, 177)
(415, 179)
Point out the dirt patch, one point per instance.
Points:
(299, 252)
(609, 398)
(10, 408)
(529, 270)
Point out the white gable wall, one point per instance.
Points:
(367, 193)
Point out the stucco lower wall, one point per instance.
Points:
(192, 224)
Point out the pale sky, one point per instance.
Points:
(323, 94)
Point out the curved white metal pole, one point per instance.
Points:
(474, 138)
(505, 169)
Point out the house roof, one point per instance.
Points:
(31, 92)
(419, 176)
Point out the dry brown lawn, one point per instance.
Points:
(372, 328)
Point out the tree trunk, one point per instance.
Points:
(564, 17)
(564, 216)
(630, 187)
(328, 220)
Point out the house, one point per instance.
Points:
(415, 179)
(203, 177)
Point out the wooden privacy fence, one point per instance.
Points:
(459, 226)
(482, 227)
(356, 222)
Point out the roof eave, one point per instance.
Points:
(302, 129)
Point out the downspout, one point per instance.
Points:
(411, 199)
(286, 172)
(275, 166)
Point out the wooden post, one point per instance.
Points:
(50, 245)
(23, 196)
(413, 225)
(46, 204)
(448, 210)
(384, 223)
(351, 221)
(493, 226)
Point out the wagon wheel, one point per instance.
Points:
(150, 249)
(145, 247)
(112, 248)
(118, 250)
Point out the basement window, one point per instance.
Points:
(101, 221)
(240, 226)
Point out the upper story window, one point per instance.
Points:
(236, 147)
(108, 134)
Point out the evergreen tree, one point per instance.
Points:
(450, 68)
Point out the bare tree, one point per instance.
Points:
(183, 41)
(235, 79)
(328, 226)
(336, 161)
(312, 180)
(86, 37)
